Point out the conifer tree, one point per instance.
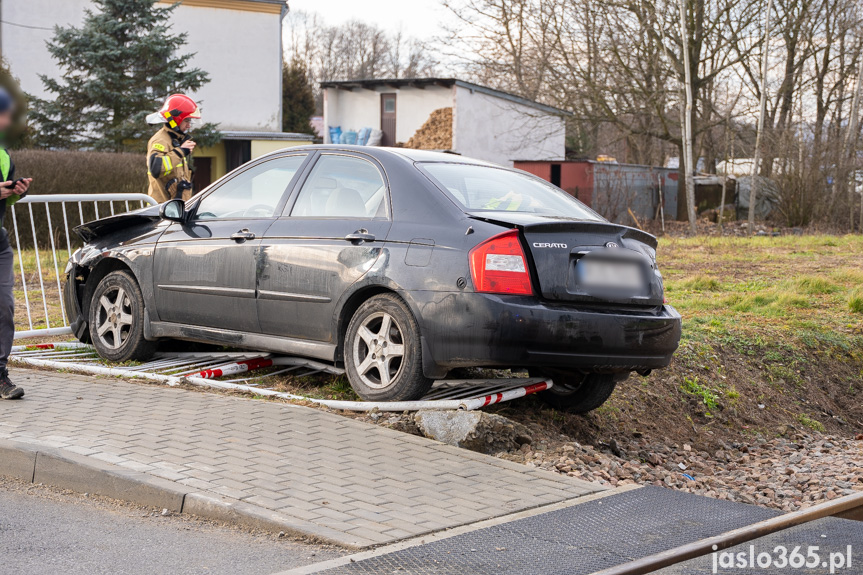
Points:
(298, 100)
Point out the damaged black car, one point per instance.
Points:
(399, 265)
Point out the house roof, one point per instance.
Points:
(272, 136)
(269, 6)
(371, 84)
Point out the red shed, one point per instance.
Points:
(611, 188)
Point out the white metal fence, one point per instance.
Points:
(56, 216)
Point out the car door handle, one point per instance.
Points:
(361, 235)
(243, 235)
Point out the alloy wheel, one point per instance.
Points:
(114, 318)
(379, 350)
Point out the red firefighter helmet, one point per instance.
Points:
(176, 109)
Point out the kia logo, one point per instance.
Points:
(611, 245)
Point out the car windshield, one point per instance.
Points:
(487, 188)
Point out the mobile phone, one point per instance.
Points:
(14, 197)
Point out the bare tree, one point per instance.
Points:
(354, 50)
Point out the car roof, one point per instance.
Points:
(381, 153)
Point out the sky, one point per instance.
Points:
(417, 18)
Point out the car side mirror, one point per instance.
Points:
(173, 210)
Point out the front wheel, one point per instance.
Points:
(383, 352)
(117, 319)
(579, 393)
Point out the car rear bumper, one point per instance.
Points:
(470, 329)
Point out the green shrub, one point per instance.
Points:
(65, 172)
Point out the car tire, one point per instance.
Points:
(579, 393)
(383, 352)
(116, 319)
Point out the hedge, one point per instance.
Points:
(63, 172)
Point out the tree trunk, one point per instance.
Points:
(765, 58)
(687, 160)
(850, 147)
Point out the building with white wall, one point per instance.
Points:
(237, 42)
(487, 124)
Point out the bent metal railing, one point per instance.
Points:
(46, 229)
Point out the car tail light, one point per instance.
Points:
(498, 265)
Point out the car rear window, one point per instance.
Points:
(486, 188)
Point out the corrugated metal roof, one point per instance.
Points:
(445, 82)
(226, 3)
(274, 136)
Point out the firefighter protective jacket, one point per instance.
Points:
(168, 166)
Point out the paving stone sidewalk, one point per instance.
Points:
(343, 480)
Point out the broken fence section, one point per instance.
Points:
(207, 369)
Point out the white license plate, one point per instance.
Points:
(602, 274)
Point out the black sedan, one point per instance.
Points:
(400, 265)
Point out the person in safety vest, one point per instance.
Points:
(170, 149)
(11, 190)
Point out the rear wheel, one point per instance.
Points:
(117, 319)
(578, 392)
(383, 353)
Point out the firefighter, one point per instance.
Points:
(11, 190)
(170, 150)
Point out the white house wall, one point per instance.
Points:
(242, 53)
(24, 49)
(499, 130)
(352, 110)
(240, 50)
(361, 108)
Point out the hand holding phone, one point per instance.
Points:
(22, 185)
(14, 189)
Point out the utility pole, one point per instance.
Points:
(689, 165)
(765, 59)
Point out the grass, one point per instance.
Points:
(691, 386)
(855, 301)
(41, 297)
(793, 289)
(807, 421)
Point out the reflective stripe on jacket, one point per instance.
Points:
(168, 165)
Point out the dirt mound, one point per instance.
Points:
(435, 134)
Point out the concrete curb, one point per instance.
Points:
(17, 460)
(55, 467)
(89, 475)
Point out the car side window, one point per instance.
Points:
(254, 193)
(343, 187)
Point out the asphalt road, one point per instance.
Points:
(45, 531)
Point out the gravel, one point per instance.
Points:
(783, 473)
(796, 470)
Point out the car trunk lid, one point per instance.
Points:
(587, 261)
